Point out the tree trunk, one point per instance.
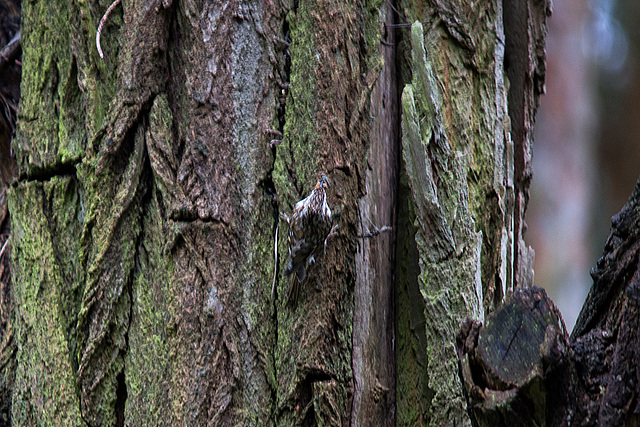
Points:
(145, 232)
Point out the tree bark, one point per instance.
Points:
(466, 209)
(145, 216)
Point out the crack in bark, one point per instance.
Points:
(48, 173)
(121, 388)
(270, 188)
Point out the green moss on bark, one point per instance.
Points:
(51, 108)
(448, 245)
(44, 393)
(151, 364)
(297, 155)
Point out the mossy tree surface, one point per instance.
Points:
(144, 214)
(457, 175)
(151, 182)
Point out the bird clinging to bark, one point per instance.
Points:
(309, 227)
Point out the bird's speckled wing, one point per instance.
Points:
(309, 225)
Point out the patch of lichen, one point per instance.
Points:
(51, 137)
(44, 393)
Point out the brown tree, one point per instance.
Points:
(145, 232)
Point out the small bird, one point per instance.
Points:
(309, 227)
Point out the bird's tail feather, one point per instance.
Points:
(295, 285)
(294, 291)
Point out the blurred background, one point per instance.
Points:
(586, 142)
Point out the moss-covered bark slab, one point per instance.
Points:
(45, 223)
(448, 246)
(51, 101)
(465, 50)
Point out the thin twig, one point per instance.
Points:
(283, 41)
(376, 231)
(10, 49)
(403, 25)
(6, 242)
(393, 7)
(275, 262)
(102, 22)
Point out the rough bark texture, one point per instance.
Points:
(146, 212)
(458, 157)
(150, 185)
(143, 221)
(336, 58)
(606, 338)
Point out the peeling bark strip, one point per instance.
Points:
(525, 31)
(373, 358)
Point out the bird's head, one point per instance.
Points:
(323, 181)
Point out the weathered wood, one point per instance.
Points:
(373, 356)
(525, 31)
(516, 362)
